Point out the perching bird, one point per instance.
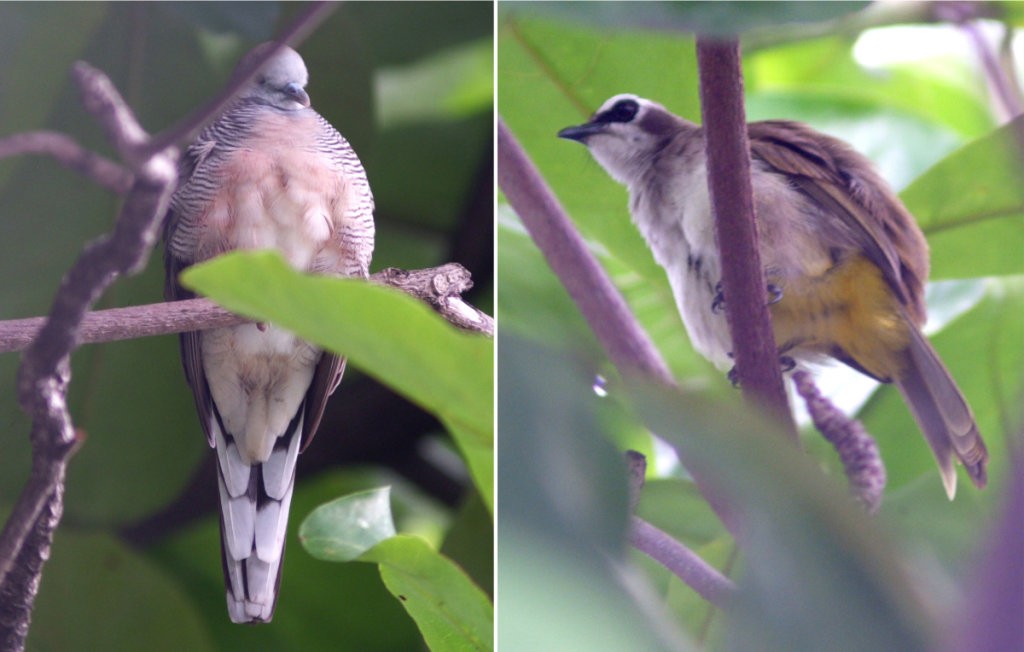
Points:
(270, 173)
(845, 261)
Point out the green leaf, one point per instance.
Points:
(347, 527)
(713, 18)
(451, 611)
(449, 85)
(946, 92)
(971, 207)
(386, 333)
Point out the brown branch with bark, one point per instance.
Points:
(440, 287)
(45, 372)
(732, 202)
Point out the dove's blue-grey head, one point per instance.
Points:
(281, 80)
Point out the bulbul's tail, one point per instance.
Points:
(942, 413)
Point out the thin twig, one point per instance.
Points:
(70, 154)
(439, 287)
(682, 562)
(732, 202)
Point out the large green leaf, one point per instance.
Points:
(386, 333)
(452, 84)
(945, 92)
(803, 538)
(469, 542)
(971, 206)
(713, 18)
(562, 501)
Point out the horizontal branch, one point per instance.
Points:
(440, 287)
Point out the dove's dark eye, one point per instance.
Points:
(260, 79)
(622, 111)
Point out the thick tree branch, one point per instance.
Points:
(732, 202)
(439, 287)
(70, 154)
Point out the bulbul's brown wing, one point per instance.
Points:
(844, 185)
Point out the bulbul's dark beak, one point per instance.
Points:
(581, 132)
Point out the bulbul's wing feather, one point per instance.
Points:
(876, 220)
(810, 164)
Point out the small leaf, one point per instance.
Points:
(345, 528)
(451, 611)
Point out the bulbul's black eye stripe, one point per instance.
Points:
(623, 111)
